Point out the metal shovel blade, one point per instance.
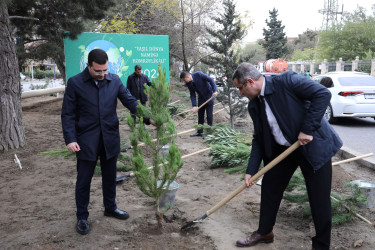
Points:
(121, 178)
(192, 223)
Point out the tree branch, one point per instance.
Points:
(24, 17)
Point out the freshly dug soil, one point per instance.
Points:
(38, 206)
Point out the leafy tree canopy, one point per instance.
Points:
(353, 36)
(53, 21)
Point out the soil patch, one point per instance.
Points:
(38, 206)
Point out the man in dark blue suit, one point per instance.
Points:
(91, 129)
(286, 108)
(205, 87)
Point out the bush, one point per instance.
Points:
(49, 74)
(39, 74)
(28, 74)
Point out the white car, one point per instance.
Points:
(23, 77)
(353, 94)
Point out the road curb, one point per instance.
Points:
(347, 153)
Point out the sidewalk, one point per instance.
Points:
(346, 153)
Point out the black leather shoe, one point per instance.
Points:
(83, 227)
(254, 239)
(118, 214)
(196, 134)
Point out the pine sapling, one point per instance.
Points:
(162, 170)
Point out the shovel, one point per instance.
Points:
(261, 172)
(195, 111)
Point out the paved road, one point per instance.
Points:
(358, 135)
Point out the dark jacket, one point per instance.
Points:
(202, 84)
(89, 112)
(298, 104)
(138, 89)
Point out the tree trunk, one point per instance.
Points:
(186, 64)
(12, 134)
(60, 63)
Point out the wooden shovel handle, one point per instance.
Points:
(255, 177)
(190, 110)
(352, 159)
(195, 111)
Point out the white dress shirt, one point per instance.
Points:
(276, 131)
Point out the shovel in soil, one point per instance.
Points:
(261, 172)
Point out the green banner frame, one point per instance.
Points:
(124, 52)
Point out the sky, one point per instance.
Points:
(296, 15)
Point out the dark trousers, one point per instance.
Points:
(318, 184)
(85, 171)
(208, 109)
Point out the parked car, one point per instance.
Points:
(353, 94)
(23, 77)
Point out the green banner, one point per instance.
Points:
(124, 52)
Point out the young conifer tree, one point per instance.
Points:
(164, 170)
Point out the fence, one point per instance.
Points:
(340, 65)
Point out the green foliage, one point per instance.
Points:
(56, 21)
(230, 148)
(39, 74)
(274, 37)
(296, 193)
(255, 52)
(124, 161)
(229, 157)
(59, 152)
(51, 74)
(224, 135)
(183, 94)
(353, 36)
(43, 86)
(176, 109)
(179, 85)
(165, 131)
(307, 54)
(28, 74)
(304, 47)
(226, 57)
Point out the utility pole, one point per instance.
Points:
(330, 13)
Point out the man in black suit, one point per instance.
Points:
(286, 108)
(91, 130)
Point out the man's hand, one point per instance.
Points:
(214, 94)
(304, 138)
(73, 147)
(152, 122)
(195, 109)
(247, 181)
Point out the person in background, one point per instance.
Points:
(91, 130)
(284, 109)
(205, 87)
(136, 85)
